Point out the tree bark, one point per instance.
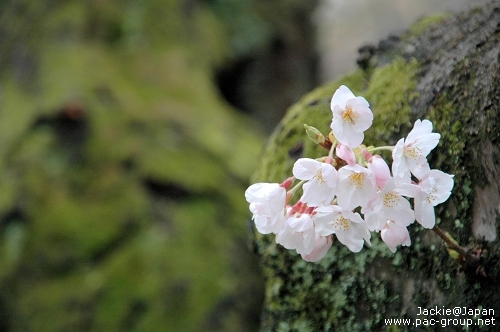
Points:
(445, 69)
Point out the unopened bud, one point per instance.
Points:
(315, 135)
(367, 154)
(287, 183)
(329, 160)
(453, 253)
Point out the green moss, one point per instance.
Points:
(425, 22)
(390, 93)
(450, 153)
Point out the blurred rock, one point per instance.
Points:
(345, 26)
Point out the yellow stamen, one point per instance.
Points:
(430, 197)
(341, 223)
(319, 177)
(350, 116)
(413, 152)
(390, 198)
(356, 179)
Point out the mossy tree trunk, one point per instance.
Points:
(445, 69)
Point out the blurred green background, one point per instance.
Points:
(126, 143)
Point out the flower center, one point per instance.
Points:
(319, 177)
(431, 197)
(412, 152)
(356, 179)
(390, 198)
(341, 223)
(350, 116)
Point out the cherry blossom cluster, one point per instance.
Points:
(351, 192)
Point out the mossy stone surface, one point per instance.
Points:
(415, 75)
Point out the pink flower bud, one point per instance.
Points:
(394, 235)
(321, 246)
(345, 153)
(287, 183)
(367, 154)
(381, 170)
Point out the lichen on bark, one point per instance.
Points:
(447, 73)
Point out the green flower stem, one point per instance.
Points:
(292, 191)
(381, 148)
(330, 153)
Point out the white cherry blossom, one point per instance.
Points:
(434, 188)
(267, 203)
(410, 155)
(298, 233)
(351, 117)
(322, 180)
(349, 228)
(357, 187)
(390, 204)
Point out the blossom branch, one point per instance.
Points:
(464, 253)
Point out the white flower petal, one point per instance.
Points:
(399, 166)
(375, 220)
(444, 185)
(341, 96)
(420, 128)
(307, 243)
(323, 219)
(346, 134)
(428, 142)
(411, 153)
(400, 212)
(316, 194)
(262, 224)
(420, 170)
(424, 214)
(363, 115)
(305, 168)
(321, 246)
(354, 244)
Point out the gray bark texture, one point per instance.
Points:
(445, 69)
